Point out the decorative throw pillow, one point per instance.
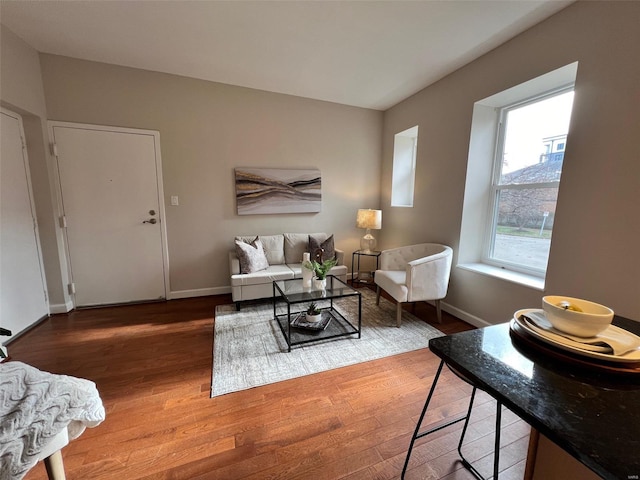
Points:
(321, 251)
(251, 256)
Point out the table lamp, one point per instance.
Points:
(369, 219)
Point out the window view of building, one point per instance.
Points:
(527, 174)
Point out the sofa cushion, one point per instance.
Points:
(327, 247)
(251, 256)
(274, 272)
(295, 244)
(273, 246)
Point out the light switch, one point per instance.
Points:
(174, 200)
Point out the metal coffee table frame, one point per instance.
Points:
(293, 293)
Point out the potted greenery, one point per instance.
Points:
(314, 314)
(320, 270)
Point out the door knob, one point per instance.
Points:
(152, 221)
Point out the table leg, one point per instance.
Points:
(55, 466)
(274, 300)
(289, 325)
(353, 268)
(359, 315)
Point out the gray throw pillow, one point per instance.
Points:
(251, 256)
(321, 250)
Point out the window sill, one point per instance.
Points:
(523, 279)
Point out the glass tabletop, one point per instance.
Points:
(293, 291)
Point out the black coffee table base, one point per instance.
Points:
(339, 326)
(292, 294)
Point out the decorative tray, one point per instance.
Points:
(300, 321)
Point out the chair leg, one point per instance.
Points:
(398, 314)
(496, 446)
(55, 466)
(466, 418)
(416, 433)
(378, 295)
(466, 423)
(438, 311)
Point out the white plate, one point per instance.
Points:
(618, 339)
(568, 345)
(537, 324)
(531, 325)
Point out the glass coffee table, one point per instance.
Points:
(334, 324)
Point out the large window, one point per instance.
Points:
(528, 165)
(519, 138)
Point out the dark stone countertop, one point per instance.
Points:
(592, 413)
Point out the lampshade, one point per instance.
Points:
(368, 218)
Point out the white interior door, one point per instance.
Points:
(111, 190)
(23, 299)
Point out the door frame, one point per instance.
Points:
(159, 183)
(36, 229)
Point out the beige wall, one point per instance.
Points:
(207, 129)
(594, 251)
(22, 91)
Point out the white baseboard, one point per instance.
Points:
(60, 308)
(198, 292)
(465, 316)
(205, 292)
(25, 330)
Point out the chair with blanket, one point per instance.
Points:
(40, 413)
(414, 273)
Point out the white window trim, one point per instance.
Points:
(482, 148)
(511, 276)
(404, 169)
(496, 186)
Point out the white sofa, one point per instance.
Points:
(284, 253)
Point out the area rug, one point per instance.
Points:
(249, 349)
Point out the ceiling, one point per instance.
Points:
(370, 54)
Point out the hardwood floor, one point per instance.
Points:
(152, 366)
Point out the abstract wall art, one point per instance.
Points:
(277, 190)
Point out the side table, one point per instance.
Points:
(355, 278)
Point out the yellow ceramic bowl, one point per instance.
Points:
(576, 316)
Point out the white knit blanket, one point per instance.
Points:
(34, 407)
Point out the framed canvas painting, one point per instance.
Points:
(277, 190)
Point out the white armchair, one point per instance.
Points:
(414, 273)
